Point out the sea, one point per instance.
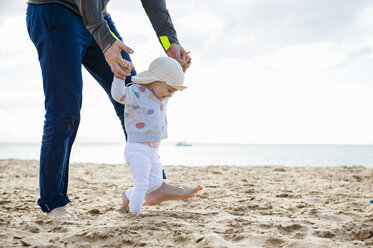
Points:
(213, 154)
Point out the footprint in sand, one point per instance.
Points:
(94, 211)
(324, 234)
(298, 235)
(363, 234)
(291, 228)
(33, 228)
(296, 231)
(275, 241)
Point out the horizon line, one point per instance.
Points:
(175, 142)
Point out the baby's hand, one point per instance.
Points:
(185, 55)
(186, 60)
(128, 66)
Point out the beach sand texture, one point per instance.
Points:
(260, 206)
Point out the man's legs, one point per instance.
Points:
(58, 35)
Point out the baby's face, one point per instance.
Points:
(162, 90)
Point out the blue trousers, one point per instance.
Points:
(64, 44)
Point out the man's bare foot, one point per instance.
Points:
(125, 202)
(168, 192)
(62, 213)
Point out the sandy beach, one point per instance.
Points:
(261, 206)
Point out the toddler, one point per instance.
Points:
(146, 124)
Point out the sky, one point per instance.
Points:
(263, 72)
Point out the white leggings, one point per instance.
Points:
(146, 170)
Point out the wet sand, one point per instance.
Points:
(260, 206)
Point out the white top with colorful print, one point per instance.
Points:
(144, 114)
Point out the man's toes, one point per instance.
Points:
(73, 216)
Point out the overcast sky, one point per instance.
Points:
(291, 71)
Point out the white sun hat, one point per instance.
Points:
(162, 69)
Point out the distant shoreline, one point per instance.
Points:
(194, 143)
(199, 154)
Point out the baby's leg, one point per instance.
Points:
(125, 200)
(159, 191)
(156, 175)
(140, 165)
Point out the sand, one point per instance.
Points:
(260, 206)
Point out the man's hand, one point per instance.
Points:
(119, 66)
(177, 52)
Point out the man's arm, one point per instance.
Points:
(111, 46)
(91, 12)
(161, 22)
(166, 33)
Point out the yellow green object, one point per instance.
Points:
(165, 42)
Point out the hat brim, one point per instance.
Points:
(145, 77)
(178, 87)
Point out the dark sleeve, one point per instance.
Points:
(161, 21)
(91, 12)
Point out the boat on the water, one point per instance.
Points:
(182, 143)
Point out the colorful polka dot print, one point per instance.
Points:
(144, 115)
(140, 125)
(137, 94)
(142, 89)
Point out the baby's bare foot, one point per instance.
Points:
(189, 193)
(62, 213)
(168, 192)
(125, 202)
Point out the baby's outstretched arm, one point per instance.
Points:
(120, 92)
